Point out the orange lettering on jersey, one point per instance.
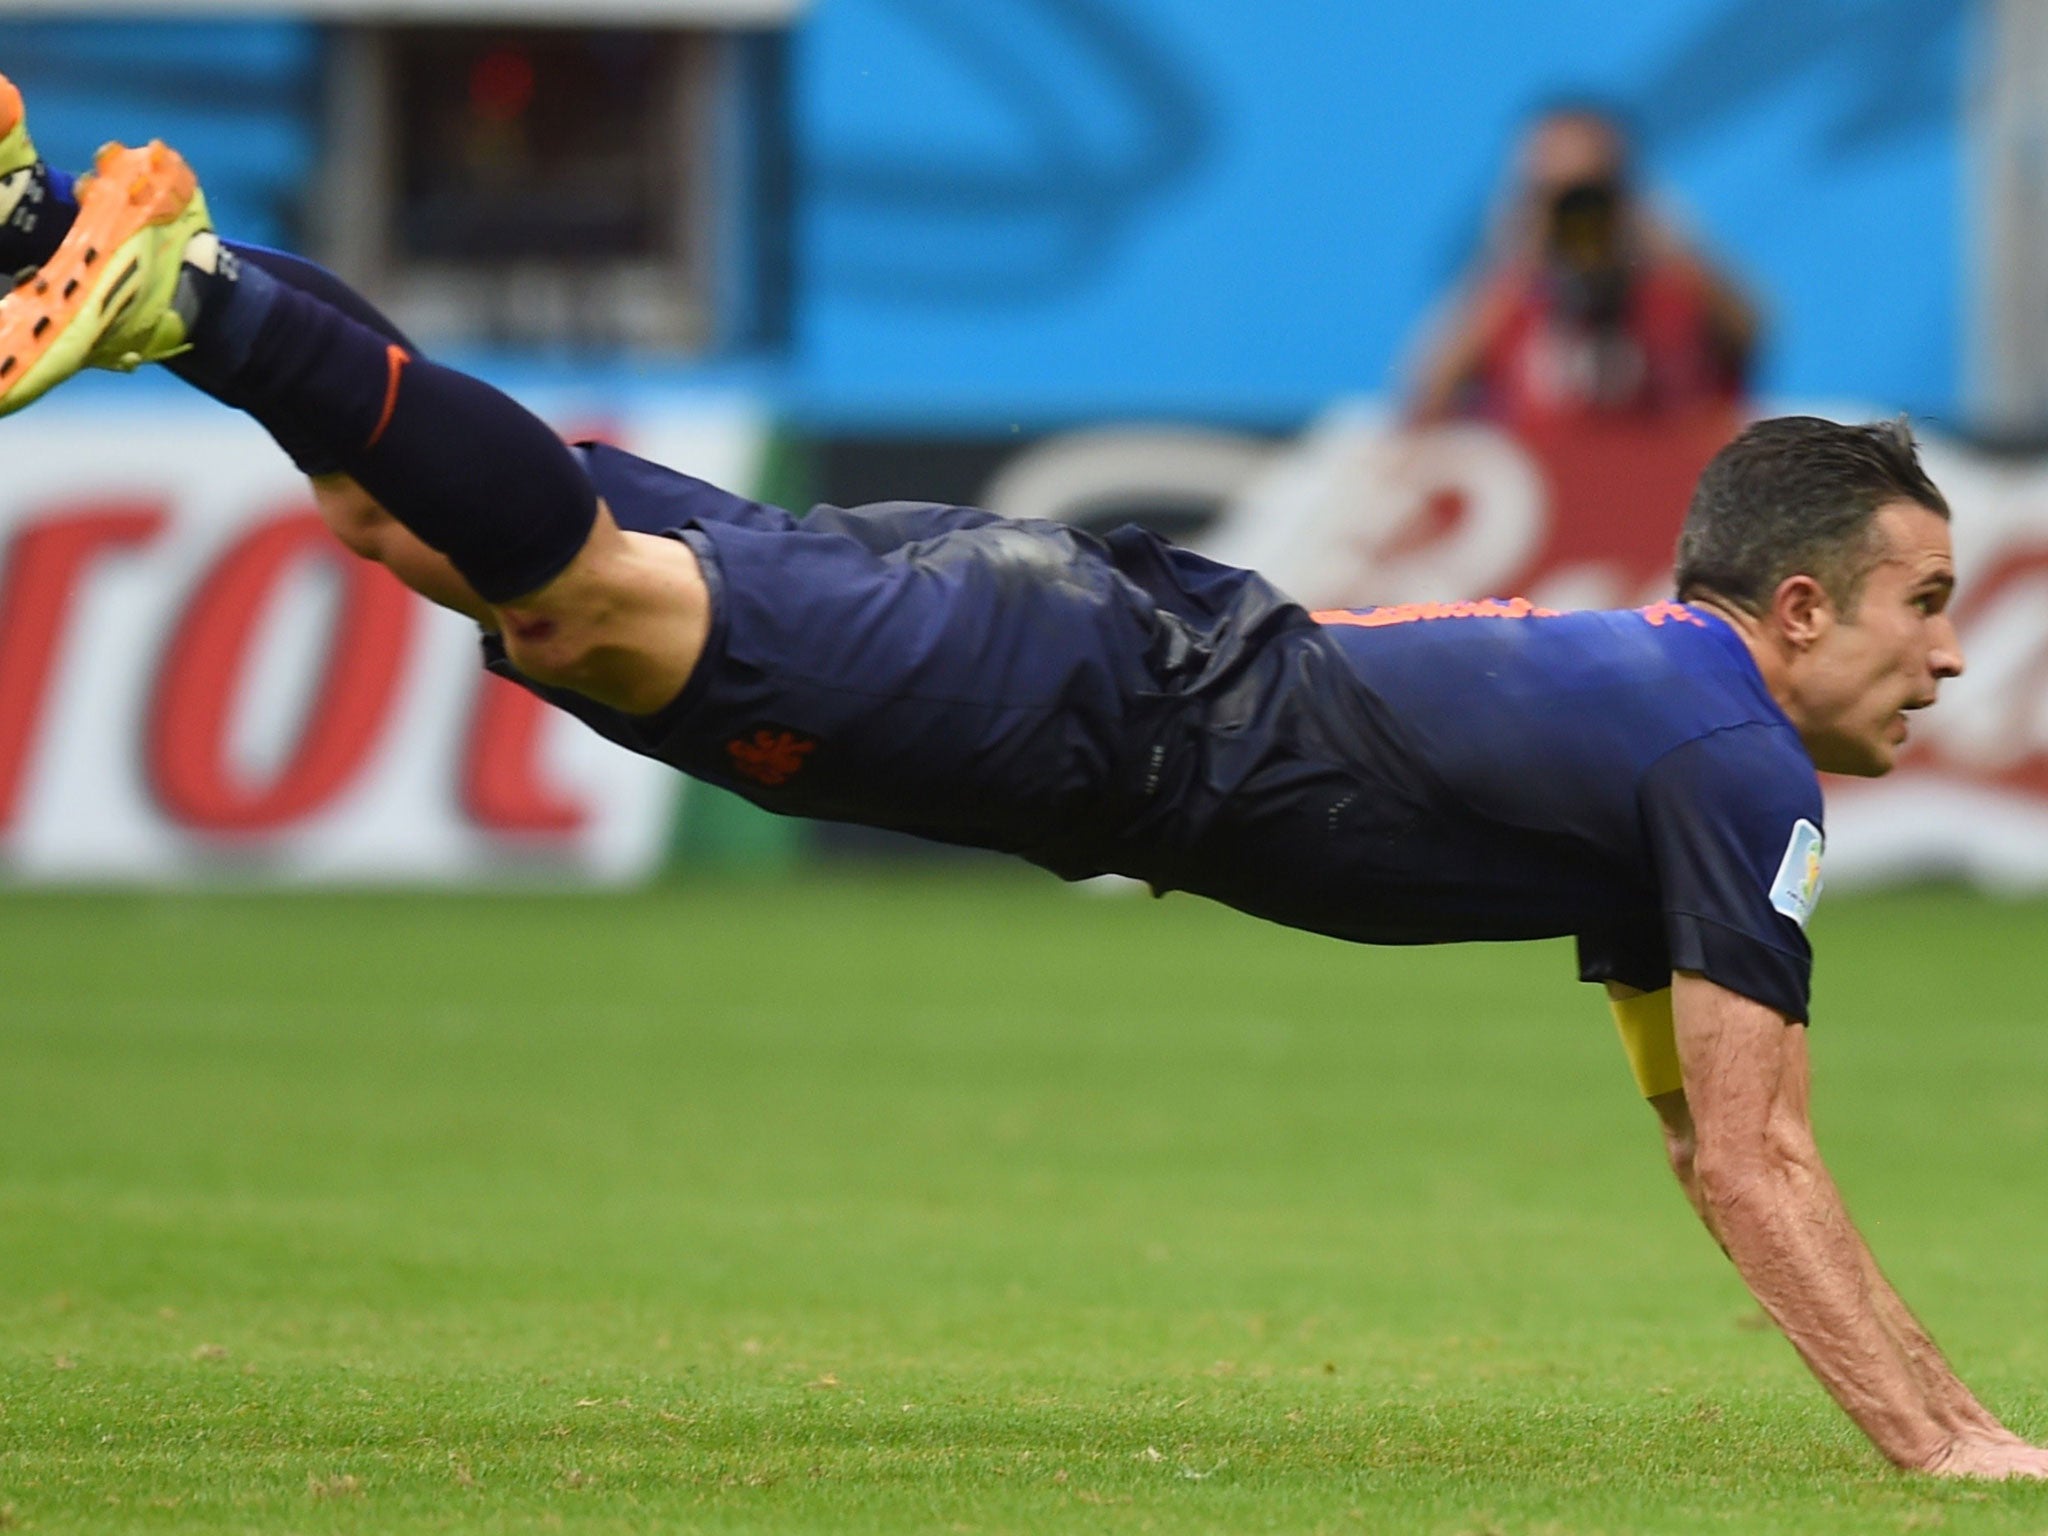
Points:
(1660, 614)
(1417, 613)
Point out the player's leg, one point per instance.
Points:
(138, 278)
(364, 528)
(39, 203)
(980, 681)
(355, 518)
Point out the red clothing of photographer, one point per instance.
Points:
(1539, 357)
(1591, 308)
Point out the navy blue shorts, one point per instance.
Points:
(1086, 703)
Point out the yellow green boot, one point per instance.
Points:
(108, 297)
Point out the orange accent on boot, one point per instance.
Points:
(11, 108)
(130, 190)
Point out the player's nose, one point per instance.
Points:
(1945, 658)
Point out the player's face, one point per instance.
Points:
(1869, 668)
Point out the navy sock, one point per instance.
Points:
(213, 368)
(311, 277)
(42, 217)
(343, 391)
(466, 468)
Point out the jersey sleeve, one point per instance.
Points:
(1733, 825)
(1630, 951)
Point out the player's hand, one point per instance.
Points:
(1976, 1453)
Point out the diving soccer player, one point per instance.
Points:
(1644, 780)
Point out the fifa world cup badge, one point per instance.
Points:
(1797, 888)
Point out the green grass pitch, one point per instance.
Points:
(947, 1203)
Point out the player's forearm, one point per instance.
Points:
(1952, 1403)
(1790, 1239)
(1947, 1396)
(1947, 1401)
(1741, 1138)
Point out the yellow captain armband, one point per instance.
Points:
(1652, 1045)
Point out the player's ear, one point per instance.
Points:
(1801, 611)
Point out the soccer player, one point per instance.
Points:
(1644, 780)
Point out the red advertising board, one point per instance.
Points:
(197, 681)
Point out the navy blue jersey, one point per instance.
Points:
(1414, 775)
(1642, 740)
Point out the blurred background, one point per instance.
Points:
(1395, 302)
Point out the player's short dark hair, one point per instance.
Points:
(1796, 495)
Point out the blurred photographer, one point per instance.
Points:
(1588, 306)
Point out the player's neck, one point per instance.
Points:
(1772, 663)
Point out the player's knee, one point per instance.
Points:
(557, 650)
(625, 625)
(563, 637)
(586, 652)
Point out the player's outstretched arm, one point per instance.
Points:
(1756, 1177)
(1930, 1368)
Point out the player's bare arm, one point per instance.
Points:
(1647, 1033)
(1746, 1153)
(1731, 1086)
(1937, 1378)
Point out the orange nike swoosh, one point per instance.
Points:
(395, 357)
